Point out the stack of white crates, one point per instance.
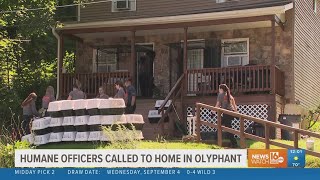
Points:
(83, 120)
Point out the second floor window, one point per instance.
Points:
(123, 5)
(235, 52)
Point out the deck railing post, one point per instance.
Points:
(60, 66)
(267, 136)
(242, 135)
(162, 124)
(198, 122)
(219, 128)
(296, 140)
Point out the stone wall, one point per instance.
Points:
(84, 56)
(260, 52)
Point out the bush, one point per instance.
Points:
(312, 117)
(122, 137)
(312, 162)
(8, 142)
(7, 152)
(315, 127)
(9, 105)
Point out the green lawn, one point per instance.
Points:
(311, 161)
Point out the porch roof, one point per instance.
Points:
(180, 21)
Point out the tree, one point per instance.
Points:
(28, 48)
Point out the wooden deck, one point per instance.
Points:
(257, 79)
(90, 82)
(240, 79)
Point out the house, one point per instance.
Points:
(266, 51)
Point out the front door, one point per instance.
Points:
(145, 72)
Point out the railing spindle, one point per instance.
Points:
(267, 136)
(198, 123)
(195, 81)
(219, 129)
(246, 79)
(242, 136)
(259, 80)
(263, 80)
(254, 85)
(205, 81)
(241, 79)
(237, 84)
(296, 140)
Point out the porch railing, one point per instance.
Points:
(243, 135)
(90, 82)
(244, 79)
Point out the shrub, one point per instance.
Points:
(316, 127)
(9, 134)
(122, 137)
(9, 105)
(7, 152)
(311, 118)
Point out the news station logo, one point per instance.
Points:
(267, 158)
(296, 158)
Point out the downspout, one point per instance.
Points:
(58, 58)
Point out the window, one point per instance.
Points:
(123, 5)
(107, 60)
(315, 4)
(235, 52)
(195, 59)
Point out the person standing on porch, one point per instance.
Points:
(102, 93)
(46, 99)
(226, 101)
(29, 111)
(76, 93)
(120, 91)
(131, 97)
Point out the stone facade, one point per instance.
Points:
(84, 56)
(260, 53)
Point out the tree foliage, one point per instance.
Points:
(28, 49)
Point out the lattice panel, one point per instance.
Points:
(255, 110)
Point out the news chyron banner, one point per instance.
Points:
(227, 158)
(159, 164)
(132, 158)
(277, 158)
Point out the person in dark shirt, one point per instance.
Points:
(226, 101)
(131, 97)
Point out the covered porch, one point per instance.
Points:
(182, 54)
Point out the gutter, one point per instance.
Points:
(54, 32)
